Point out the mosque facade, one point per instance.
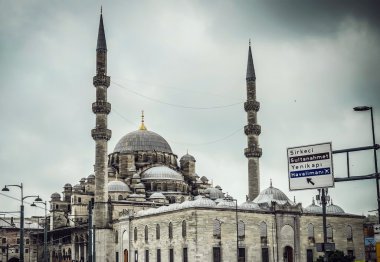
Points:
(142, 203)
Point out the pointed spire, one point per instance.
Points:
(250, 68)
(142, 126)
(101, 45)
(270, 185)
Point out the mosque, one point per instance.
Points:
(143, 204)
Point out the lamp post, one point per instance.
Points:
(45, 229)
(21, 216)
(375, 147)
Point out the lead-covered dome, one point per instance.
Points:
(313, 208)
(142, 140)
(161, 173)
(272, 194)
(334, 209)
(118, 186)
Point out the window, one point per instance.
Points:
(350, 253)
(158, 255)
(263, 233)
(171, 255)
(135, 234)
(146, 233)
(217, 229)
(265, 254)
(117, 256)
(79, 200)
(26, 250)
(310, 233)
(16, 250)
(185, 255)
(170, 230)
(349, 233)
(157, 231)
(184, 229)
(116, 237)
(120, 197)
(216, 254)
(4, 240)
(136, 256)
(18, 241)
(309, 255)
(146, 255)
(241, 229)
(241, 254)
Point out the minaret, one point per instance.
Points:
(253, 152)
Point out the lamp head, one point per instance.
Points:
(362, 108)
(38, 199)
(33, 205)
(5, 189)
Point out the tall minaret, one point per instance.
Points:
(252, 130)
(100, 133)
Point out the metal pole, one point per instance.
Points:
(376, 170)
(89, 245)
(237, 231)
(324, 224)
(94, 252)
(45, 237)
(22, 225)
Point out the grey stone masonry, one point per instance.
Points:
(100, 133)
(252, 130)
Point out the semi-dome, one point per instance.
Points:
(334, 209)
(313, 208)
(161, 173)
(142, 140)
(271, 194)
(118, 186)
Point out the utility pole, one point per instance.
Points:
(324, 202)
(89, 244)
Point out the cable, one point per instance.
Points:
(15, 198)
(175, 105)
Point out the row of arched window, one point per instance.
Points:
(330, 233)
(158, 231)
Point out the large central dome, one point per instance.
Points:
(142, 140)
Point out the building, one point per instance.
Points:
(142, 204)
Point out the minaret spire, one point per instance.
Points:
(253, 152)
(142, 126)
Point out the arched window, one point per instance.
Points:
(310, 233)
(146, 233)
(184, 233)
(241, 229)
(217, 230)
(157, 231)
(135, 234)
(116, 237)
(349, 233)
(170, 230)
(263, 233)
(330, 234)
(120, 197)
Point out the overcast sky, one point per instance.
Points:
(314, 62)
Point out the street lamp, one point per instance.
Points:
(6, 188)
(45, 228)
(375, 147)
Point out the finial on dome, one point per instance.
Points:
(294, 199)
(142, 126)
(101, 11)
(313, 201)
(250, 42)
(270, 184)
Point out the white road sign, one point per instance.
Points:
(310, 167)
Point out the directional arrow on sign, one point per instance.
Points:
(309, 181)
(376, 228)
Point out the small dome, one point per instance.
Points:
(228, 204)
(272, 194)
(187, 158)
(157, 195)
(77, 187)
(249, 205)
(161, 173)
(214, 193)
(111, 170)
(55, 196)
(313, 208)
(67, 185)
(92, 176)
(142, 140)
(83, 179)
(136, 176)
(334, 209)
(118, 186)
(140, 185)
(204, 179)
(203, 202)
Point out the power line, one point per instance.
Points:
(175, 105)
(15, 198)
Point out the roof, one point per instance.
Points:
(118, 186)
(161, 173)
(142, 140)
(272, 194)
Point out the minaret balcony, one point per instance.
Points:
(101, 80)
(101, 134)
(101, 107)
(251, 106)
(252, 129)
(253, 152)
